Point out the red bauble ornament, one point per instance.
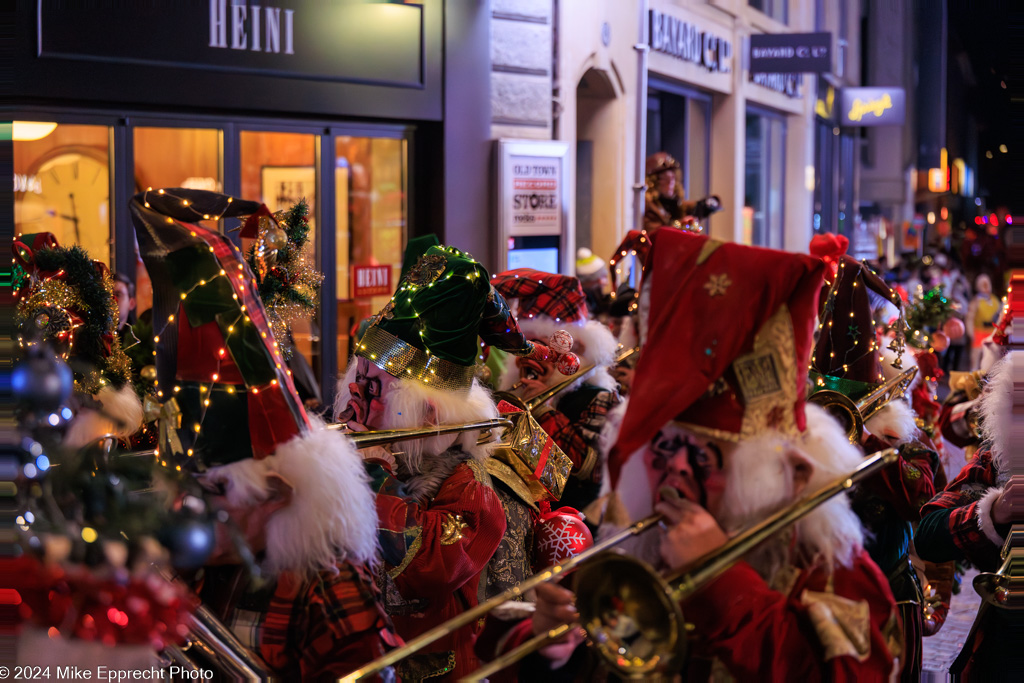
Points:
(560, 342)
(954, 328)
(568, 364)
(939, 341)
(557, 536)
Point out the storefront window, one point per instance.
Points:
(62, 184)
(195, 163)
(279, 169)
(371, 214)
(764, 187)
(776, 9)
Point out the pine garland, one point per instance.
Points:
(78, 287)
(926, 314)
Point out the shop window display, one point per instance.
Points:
(371, 217)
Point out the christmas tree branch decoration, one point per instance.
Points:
(926, 315)
(287, 282)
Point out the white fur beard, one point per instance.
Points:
(121, 415)
(895, 422)
(332, 515)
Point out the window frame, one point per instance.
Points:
(780, 119)
(121, 156)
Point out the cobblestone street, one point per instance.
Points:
(941, 649)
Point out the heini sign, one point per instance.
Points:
(255, 28)
(370, 281)
(683, 40)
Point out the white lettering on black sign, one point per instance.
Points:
(252, 27)
(787, 84)
(683, 40)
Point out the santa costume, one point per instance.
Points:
(442, 523)
(543, 303)
(232, 414)
(848, 359)
(958, 525)
(730, 333)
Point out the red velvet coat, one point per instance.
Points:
(434, 554)
(807, 634)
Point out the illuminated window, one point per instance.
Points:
(62, 184)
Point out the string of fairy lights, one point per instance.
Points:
(236, 326)
(896, 345)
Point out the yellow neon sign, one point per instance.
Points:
(859, 108)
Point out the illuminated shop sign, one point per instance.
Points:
(873, 107)
(685, 41)
(787, 84)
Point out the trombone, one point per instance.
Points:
(715, 564)
(631, 613)
(387, 436)
(852, 415)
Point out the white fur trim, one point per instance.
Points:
(121, 416)
(895, 422)
(996, 410)
(985, 522)
(333, 513)
(408, 403)
(759, 481)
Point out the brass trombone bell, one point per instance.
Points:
(632, 614)
(852, 415)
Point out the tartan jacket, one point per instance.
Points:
(314, 628)
(889, 502)
(956, 525)
(575, 425)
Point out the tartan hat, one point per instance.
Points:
(847, 356)
(218, 365)
(559, 297)
(730, 332)
(428, 331)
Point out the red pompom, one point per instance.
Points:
(559, 535)
(569, 364)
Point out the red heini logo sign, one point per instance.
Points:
(370, 281)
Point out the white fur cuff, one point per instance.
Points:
(985, 522)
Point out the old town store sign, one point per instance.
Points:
(683, 40)
(358, 41)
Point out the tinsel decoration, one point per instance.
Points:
(288, 283)
(926, 314)
(67, 299)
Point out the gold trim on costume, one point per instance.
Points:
(506, 475)
(451, 529)
(843, 626)
(410, 554)
(404, 361)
